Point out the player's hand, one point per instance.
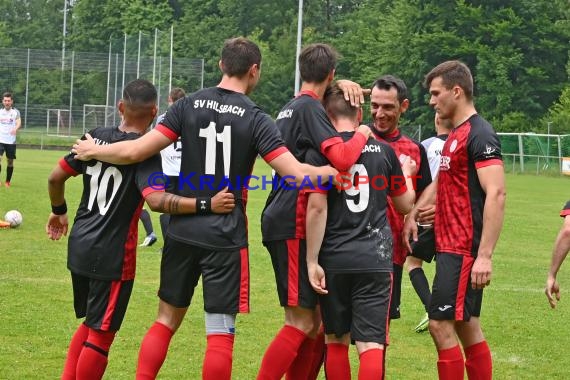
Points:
(365, 130)
(410, 231)
(13, 132)
(552, 291)
(409, 167)
(317, 278)
(426, 216)
(83, 149)
(56, 226)
(481, 272)
(223, 202)
(353, 92)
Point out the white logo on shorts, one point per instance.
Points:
(445, 307)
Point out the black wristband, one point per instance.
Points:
(203, 205)
(59, 210)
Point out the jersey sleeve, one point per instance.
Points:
(484, 147)
(423, 179)
(396, 178)
(149, 177)
(172, 123)
(315, 158)
(266, 138)
(566, 210)
(69, 164)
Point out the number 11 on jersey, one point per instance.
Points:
(212, 138)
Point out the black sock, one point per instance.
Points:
(421, 286)
(9, 172)
(147, 223)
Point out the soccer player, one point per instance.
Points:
(356, 251)
(304, 125)
(10, 122)
(388, 101)
(102, 243)
(211, 123)
(470, 209)
(424, 248)
(171, 156)
(561, 248)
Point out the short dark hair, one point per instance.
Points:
(7, 94)
(176, 93)
(238, 55)
(452, 73)
(386, 82)
(336, 105)
(316, 61)
(139, 93)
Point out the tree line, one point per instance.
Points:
(518, 50)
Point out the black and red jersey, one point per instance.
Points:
(304, 125)
(404, 147)
(222, 133)
(358, 235)
(566, 210)
(103, 240)
(460, 198)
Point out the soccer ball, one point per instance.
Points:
(14, 217)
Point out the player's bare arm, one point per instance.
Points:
(121, 153)
(559, 253)
(221, 203)
(353, 92)
(57, 224)
(492, 179)
(426, 199)
(18, 126)
(287, 165)
(316, 223)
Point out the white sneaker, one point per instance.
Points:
(149, 240)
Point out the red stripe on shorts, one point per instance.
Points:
(464, 282)
(244, 281)
(113, 297)
(293, 272)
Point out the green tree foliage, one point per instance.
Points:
(517, 49)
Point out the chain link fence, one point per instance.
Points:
(66, 93)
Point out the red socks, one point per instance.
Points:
(75, 347)
(371, 365)
(337, 365)
(450, 365)
(281, 353)
(318, 356)
(152, 353)
(92, 361)
(218, 358)
(478, 362)
(299, 369)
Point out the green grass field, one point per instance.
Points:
(528, 340)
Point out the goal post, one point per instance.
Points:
(97, 115)
(59, 122)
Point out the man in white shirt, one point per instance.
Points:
(10, 122)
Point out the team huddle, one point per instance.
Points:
(338, 254)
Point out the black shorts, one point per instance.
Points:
(396, 297)
(289, 258)
(357, 303)
(102, 303)
(225, 277)
(10, 150)
(452, 296)
(424, 248)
